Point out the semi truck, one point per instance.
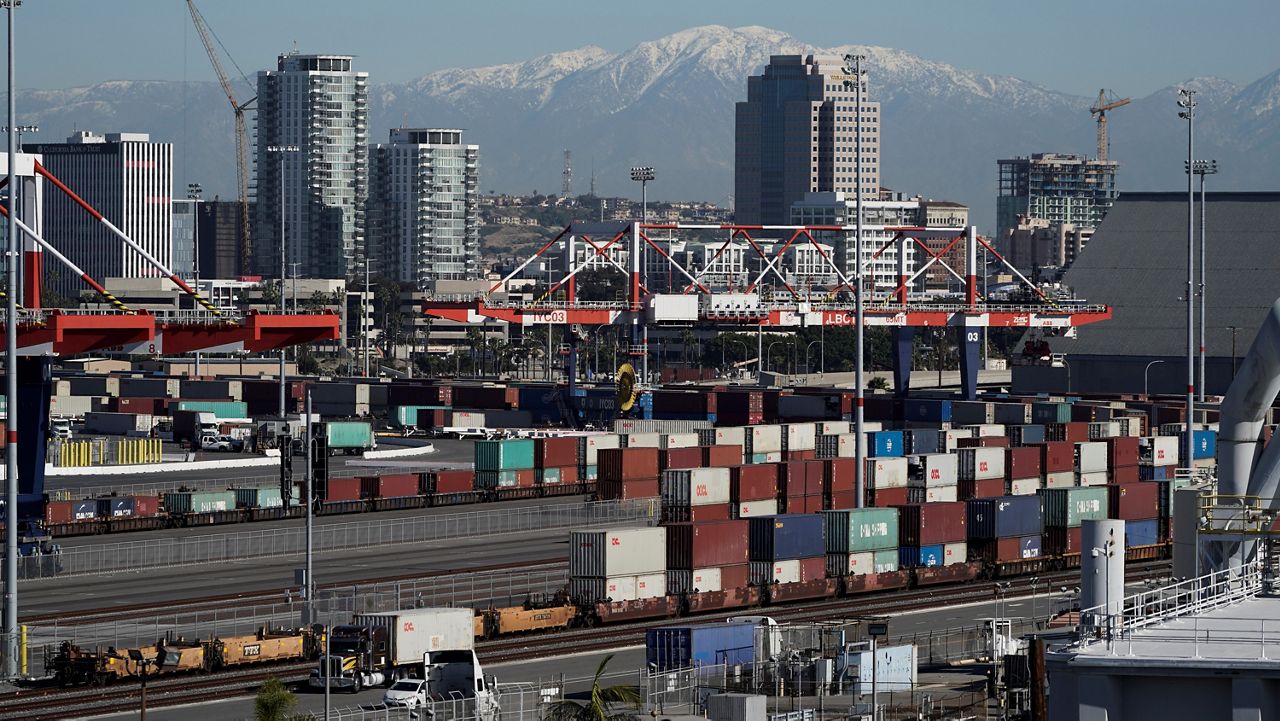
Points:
(349, 437)
(433, 644)
(193, 426)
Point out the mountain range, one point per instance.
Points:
(669, 103)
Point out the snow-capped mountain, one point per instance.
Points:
(670, 103)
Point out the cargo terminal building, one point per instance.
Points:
(1137, 264)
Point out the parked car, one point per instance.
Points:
(406, 693)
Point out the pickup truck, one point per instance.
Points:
(221, 443)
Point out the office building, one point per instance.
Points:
(1058, 188)
(319, 105)
(1042, 250)
(218, 239)
(795, 134)
(423, 206)
(185, 213)
(128, 179)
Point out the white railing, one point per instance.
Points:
(873, 306)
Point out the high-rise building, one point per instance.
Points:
(319, 105)
(218, 231)
(185, 213)
(1054, 187)
(795, 134)
(423, 206)
(128, 179)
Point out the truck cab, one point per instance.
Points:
(60, 428)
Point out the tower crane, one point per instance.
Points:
(1100, 109)
(242, 136)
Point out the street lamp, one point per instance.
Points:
(281, 151)
(856, 82)
(1202, 168)
(769, 353)
(808, 368)
(1187, 101)
(642, 174)
(1145, 373)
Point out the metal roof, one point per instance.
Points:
(1136, 262)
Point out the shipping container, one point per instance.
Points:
(860, 530)
(264, 497)
(935, 469)
(1026, 435)
(1134, 501)
(926, 556)
(628, 463)
(763, 439)
(957, 552)
(721, 456)
(696, 487)
(786, 537)
(389, 485)
(219, 409)
(200, 501)
(1141, 533)
(1122, 452)
(342, 489)
(625, 490)
(617, 552)
(756, 509)
(1091, 457)
(752, 483)
(885, 444)
(1025, 486)
(1068, 507)
(553, 452)
(589, 589)
(1003, 517)
(349, 436)
(706, 544)
(698, 580)
(115, 507)
(1006, 550)
(1045, 413)
(1206, 445)
(981, 463)
(926, 524)
(926, 409)
(887, 472)
(1160, 450)
(675, 647)
(592, 444)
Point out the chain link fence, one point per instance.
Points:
(106, 558)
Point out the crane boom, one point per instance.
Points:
(1100, 109)
(242, 135)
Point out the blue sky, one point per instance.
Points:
(1132, 46)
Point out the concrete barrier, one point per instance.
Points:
(400, 452)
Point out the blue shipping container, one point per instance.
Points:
(786, 537)
(1026, 435)
(1030, 546)
(672, 647)
(1206, 445)
(1153, 473)
(928, 409)
(922, 442)
(115, 507)
(882, 444)
(911, 556)
(1003, 517)
(1141, 533)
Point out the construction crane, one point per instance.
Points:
(242, 135)
(1100, 109)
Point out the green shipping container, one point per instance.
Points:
(1050, 412)
(219, 409)
(590, 473)
(349, 434)
(886, 561)
(259, 498)
(861, 529)
(408, 415)
(1068, 507)
(200, 502)
(508, 454)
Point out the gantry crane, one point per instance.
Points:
(242, 136)
(1100, 109)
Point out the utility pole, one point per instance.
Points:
(281, 151)
(11, 385)
(643, 175)
(853, 68)
(1187, 101)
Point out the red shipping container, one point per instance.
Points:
(801, 504)
(987, 488)
(1004, 550)
(841, 500)
(758, 482)
(1056, 456)
(1022, 463)
(57, 512)
(1125, 474)
(677, 458)
(983, 442)
(343, 489)
(569, 474)
(735, 576)
(811, 569)
(1058, 541)
(706, 544)
(390, 485)
(624, 464)
(885, 497)
(1134, 501)
(146, 505)
(526, 478)
(801, 455)
(459, 481)
(1122, 452)
(791, 478)
(928, 524)
(608, 490)
(721, 456)
(555, 452)
(839, 474)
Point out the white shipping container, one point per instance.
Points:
(1024, 487)
(467, 419)
(679, 440)
(802, 436)
(598, 441)
(980, 464)
(1091, 457)
(785, 572)
(1164, 450)
(848, 445)
(731, 436)
(617, 552)
(936, 469)
(751, 509)
(419, 631)
(835, 428)
(954, 553)
(1105, 429)
(1097, 478)
(949, 438)
(987, 430)
(1061, 479)
(651, 585)
(644, 440)
(695, 487)
(887, 472)
(765, 439)
(860, 563)
(707, 580)
(674, 308)
(940, 494)
(887, 566)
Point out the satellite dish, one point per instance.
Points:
(626, 387)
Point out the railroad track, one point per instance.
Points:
(49, 703)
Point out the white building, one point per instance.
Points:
(318, 104)
(879, 219)
(128, 179)
(423, 206)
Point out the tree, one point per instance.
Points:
(273, 702)
(600, 706)
(879, 383)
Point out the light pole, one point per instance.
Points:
(1187, 101)
(281, 151)
(853, 70)
(1234, 329)
(1145, 372)
(1105, 552)
(769, 353)
(1202, 168)
(642, 175)
(807, 348)
(194, 193)
(11, 385)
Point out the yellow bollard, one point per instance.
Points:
(22, 649)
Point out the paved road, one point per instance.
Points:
(625, 663)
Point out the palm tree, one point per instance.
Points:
(601, 705)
